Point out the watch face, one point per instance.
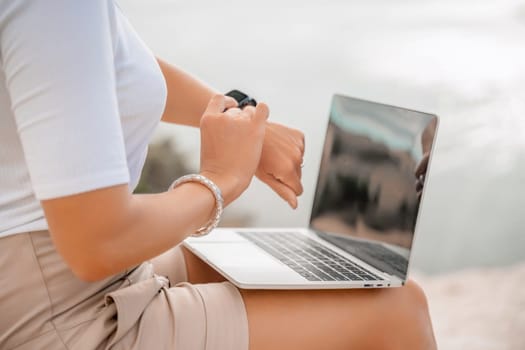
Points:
(242, 99)
(237, 95)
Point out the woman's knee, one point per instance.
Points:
(407, 323)
(416, 296)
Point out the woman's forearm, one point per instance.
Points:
(283, 151)
(187, 96)
(103, 232)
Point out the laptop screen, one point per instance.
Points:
(371, 178)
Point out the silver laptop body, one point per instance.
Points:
(364, 215)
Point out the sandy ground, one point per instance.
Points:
(478, 309)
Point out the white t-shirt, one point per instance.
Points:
(80, 97)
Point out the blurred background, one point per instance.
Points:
(463, 60)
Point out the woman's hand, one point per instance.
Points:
(281, 161)
(231, 144)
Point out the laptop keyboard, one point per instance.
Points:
(374, 254)
(308, 258)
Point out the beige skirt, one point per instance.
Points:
(44, 306)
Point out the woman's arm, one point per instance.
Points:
(283, 150)
(105, 231)
(187, 97)
(102, 232)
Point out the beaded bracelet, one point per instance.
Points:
(203, 180)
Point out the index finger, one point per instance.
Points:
(262, 112)
(216, 105)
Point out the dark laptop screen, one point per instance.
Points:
(371, 178)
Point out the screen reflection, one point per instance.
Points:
(372, 174)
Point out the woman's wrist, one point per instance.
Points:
(214, 189)
(231, 186)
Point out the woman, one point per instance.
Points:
(80, 96)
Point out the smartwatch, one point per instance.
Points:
(242, 99)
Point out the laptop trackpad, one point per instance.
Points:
(245, 263)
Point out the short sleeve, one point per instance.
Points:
(57, 58)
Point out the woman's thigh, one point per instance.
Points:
(180, 265)
(393, 318)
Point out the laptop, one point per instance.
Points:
(364, 215)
